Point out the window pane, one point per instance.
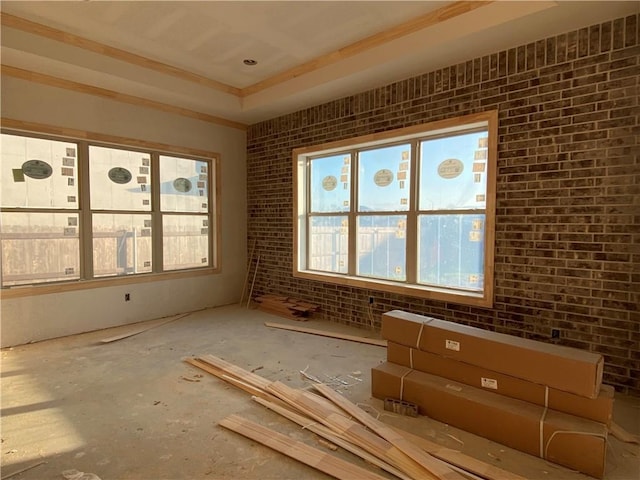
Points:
(329, 244)
(185, 241)
(121, 244)
(330, 183)
(120, 179)
(38, 173)
(453, 172)
(382, 246)
(451, 250)
(384, 178)
(39, 247)
(183, 185)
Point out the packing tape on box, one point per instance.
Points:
(411, 357)
(571, 432)
(402, 384)
(422, 324)
(544, 414)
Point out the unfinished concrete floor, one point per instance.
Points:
(132, 409)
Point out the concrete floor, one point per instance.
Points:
(133, 410)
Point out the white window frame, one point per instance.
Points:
(301, 205)
(83, 140)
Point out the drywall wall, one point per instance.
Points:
(39, 317)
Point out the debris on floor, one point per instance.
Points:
(287, 307)
(341, 422)
(74, 474)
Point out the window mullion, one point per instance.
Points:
(412, 216)
(86, 220)
(156, 215)
(353, 219)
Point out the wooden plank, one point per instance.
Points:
(143, 328)
(355, 432)
(324, 333)
(431, 464)
(622, 435)
(326, 433)
(224, 370)
(302, 452)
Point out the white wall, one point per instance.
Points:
(40, 317)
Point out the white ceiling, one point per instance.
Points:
(307, 52)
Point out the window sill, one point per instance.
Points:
(478, 299)
(49, 288)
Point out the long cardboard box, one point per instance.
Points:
(598, 409)
(567, 369)
(573, 442)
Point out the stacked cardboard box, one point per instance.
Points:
(546, 400)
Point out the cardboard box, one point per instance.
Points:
(573, 442)
(598, 409)
(563, 368)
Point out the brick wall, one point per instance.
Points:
(568, 210)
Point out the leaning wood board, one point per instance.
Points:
(143, 328)
(302, 452)
(324, 333)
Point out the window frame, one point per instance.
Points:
(301, 204)
(83, 140)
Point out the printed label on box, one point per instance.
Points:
(455, 388)
(489, 383)
(452, 345)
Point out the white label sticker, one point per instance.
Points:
(489, 383)
(452, 345)
(456, 388)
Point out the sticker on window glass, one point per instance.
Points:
(347, 160)
(71, 182)
(404, 166)
(120, 175)
(398, 270)
(182, 184)
(477, 224)
(383, 177)
(145, 162)
(18, 175)
(483, 142)
(147, 263)
(403, 201)
(479, 166)
(72, 221)
(475, 236)
(201, 184)
(345, 169)
(69, 231)
(450, 168)
(71, 152)
(142, 179)
(145, 202)
(145, 232)
(204, 231)
(67, 172)
(205, 223)
(69, 271)
(473, 278)
(203, 169)
(37, 169)
(344, 178)
(144, 170)
(204, 205)
(480, 155)
(203, 177)
(204, 259)
(477, 177)
(329, 183)
(480, 198)
(147, 223)
(68, 162)
(405, 155)
(71, 199)
(400, 234)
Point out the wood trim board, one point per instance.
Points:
(323, 333)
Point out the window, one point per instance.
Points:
(409, 211)
(77, 210)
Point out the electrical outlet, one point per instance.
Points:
(127, 297)
(555, 333)
(370, 300)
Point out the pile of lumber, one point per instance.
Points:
(341, 423)
(287, 307)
